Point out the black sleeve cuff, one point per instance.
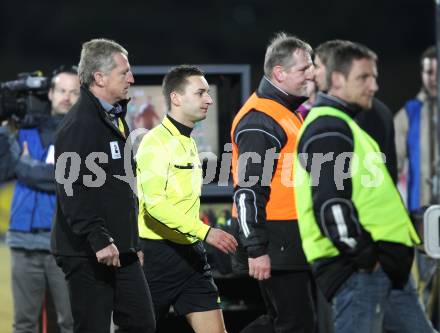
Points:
(206, 236)
(365, 258)
(138, 247)
(99, 239)
(256, 251)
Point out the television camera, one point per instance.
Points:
(24, 100)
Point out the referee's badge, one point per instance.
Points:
(114, 148)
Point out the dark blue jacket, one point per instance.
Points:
(32, 209)
(413, 110)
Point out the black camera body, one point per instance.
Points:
(25, 100)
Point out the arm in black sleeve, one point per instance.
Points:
(328, 143)
(83, 215)
(36, 174)
(83, 207)
(259, 140)
(33, 173)
(390, 144)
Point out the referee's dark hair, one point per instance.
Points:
(176, 80)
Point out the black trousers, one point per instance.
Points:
(289, 303)
(97, 290)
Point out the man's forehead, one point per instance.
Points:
(198, 82)
(364, 64)
(120, 59)
(301, 54)
(301, 58)
(429, 63)
(65, 78)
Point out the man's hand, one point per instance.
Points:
(259, 268)
(221, 240)
(109, 256)
(25, 151)
(140, 255)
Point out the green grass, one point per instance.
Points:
(5, 290)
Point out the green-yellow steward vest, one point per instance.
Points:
(380, 208)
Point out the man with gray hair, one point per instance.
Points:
(264, 130)
(95, 236)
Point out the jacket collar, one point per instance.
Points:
(323, 99)
(104, 115)
(267, 89)
(424, 97)
(123, 103)
(174, 127)
(183, 130)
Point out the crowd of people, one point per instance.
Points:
(317, 217)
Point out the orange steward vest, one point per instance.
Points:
(281, 204)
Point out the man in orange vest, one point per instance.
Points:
(263, 139)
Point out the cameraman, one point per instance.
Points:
(28, 156)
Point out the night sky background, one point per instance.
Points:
(45, 34)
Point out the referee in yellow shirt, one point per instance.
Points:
(169, 184)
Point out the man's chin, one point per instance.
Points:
(60, 112)
(367, 106)
(200, 118)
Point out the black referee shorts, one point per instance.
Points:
(179, 275)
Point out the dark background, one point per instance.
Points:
(45, 34)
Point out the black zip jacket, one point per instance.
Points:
(106, 212)
(379, 123)
(259, 133)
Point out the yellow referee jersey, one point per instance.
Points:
(169, 180)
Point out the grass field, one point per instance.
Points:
(5, 290)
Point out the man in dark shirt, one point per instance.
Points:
(95, 235)
(355, 230)
(377, 121)
(265, 219)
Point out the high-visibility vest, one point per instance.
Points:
(281, 203)
(380, 208)
(169, 182)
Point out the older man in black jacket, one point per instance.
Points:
(95, 236)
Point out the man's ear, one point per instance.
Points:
(50, 94)
(99, 79)
(338, 80)
(175, 98)
(278, 74)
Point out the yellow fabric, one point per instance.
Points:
(169, 180)
(121, 126)
(378, 203)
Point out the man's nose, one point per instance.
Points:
(374, 86)
(130, 77)
(310, 74)
(209, 100)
